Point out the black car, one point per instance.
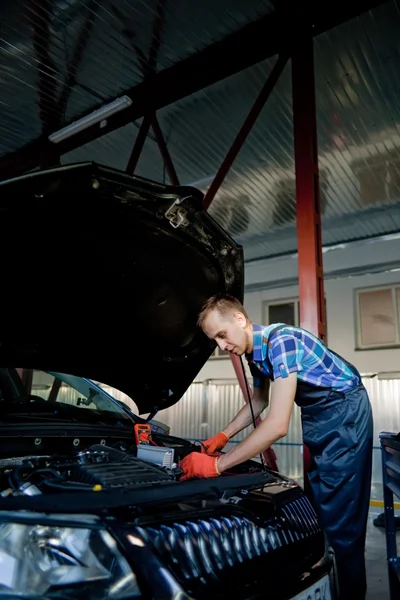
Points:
(103, 275)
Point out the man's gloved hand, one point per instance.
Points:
(215, 444)
(199, 465)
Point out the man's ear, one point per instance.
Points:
(241, 319)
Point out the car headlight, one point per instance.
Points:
(53, 561)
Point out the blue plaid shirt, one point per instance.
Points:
(295, 350)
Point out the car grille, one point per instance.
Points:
(214, 550)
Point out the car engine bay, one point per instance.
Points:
(89, 512)
(98, 467)
(74, 503)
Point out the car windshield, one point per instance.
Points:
(59, 395)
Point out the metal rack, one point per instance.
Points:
(390, 447)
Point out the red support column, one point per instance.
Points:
(310, 268)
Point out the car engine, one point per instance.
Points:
(97, 467)
(117, 465)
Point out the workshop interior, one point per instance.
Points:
(166, 166)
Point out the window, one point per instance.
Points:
(379, 177)
(284, 311)
(378, 317)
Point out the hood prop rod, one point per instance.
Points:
(152, 414)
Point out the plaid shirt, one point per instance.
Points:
(295, 350)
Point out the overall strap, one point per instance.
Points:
(268, 342)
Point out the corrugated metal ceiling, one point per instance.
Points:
(357, 86)
(358, 109)
(91, 50)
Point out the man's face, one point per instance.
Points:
(231, 331)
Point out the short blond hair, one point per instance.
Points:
(224, 304)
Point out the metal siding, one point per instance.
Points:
(186, 417)
(385, 401)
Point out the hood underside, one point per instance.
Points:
(103, 276)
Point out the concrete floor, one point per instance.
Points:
(377, 577)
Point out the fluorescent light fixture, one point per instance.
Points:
(97, 116)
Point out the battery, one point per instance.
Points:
(163, 457)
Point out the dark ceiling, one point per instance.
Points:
(199, 68)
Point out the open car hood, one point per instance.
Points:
(103, 275)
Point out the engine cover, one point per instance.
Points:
(129, 473)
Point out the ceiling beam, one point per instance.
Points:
(255, 42)
(81, 43)
(139, 144)
(40, 17)
(244, 132)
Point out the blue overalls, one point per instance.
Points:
(338, 430)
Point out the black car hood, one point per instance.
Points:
(103, 275)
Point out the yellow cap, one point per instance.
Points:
(97, 487)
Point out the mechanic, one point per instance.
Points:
(336, 419)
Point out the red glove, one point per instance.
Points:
(215, 444)
(199, 465)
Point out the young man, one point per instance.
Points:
(336, 418)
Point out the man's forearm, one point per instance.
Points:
(272, 428)
(244, 417)
(259, 440)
